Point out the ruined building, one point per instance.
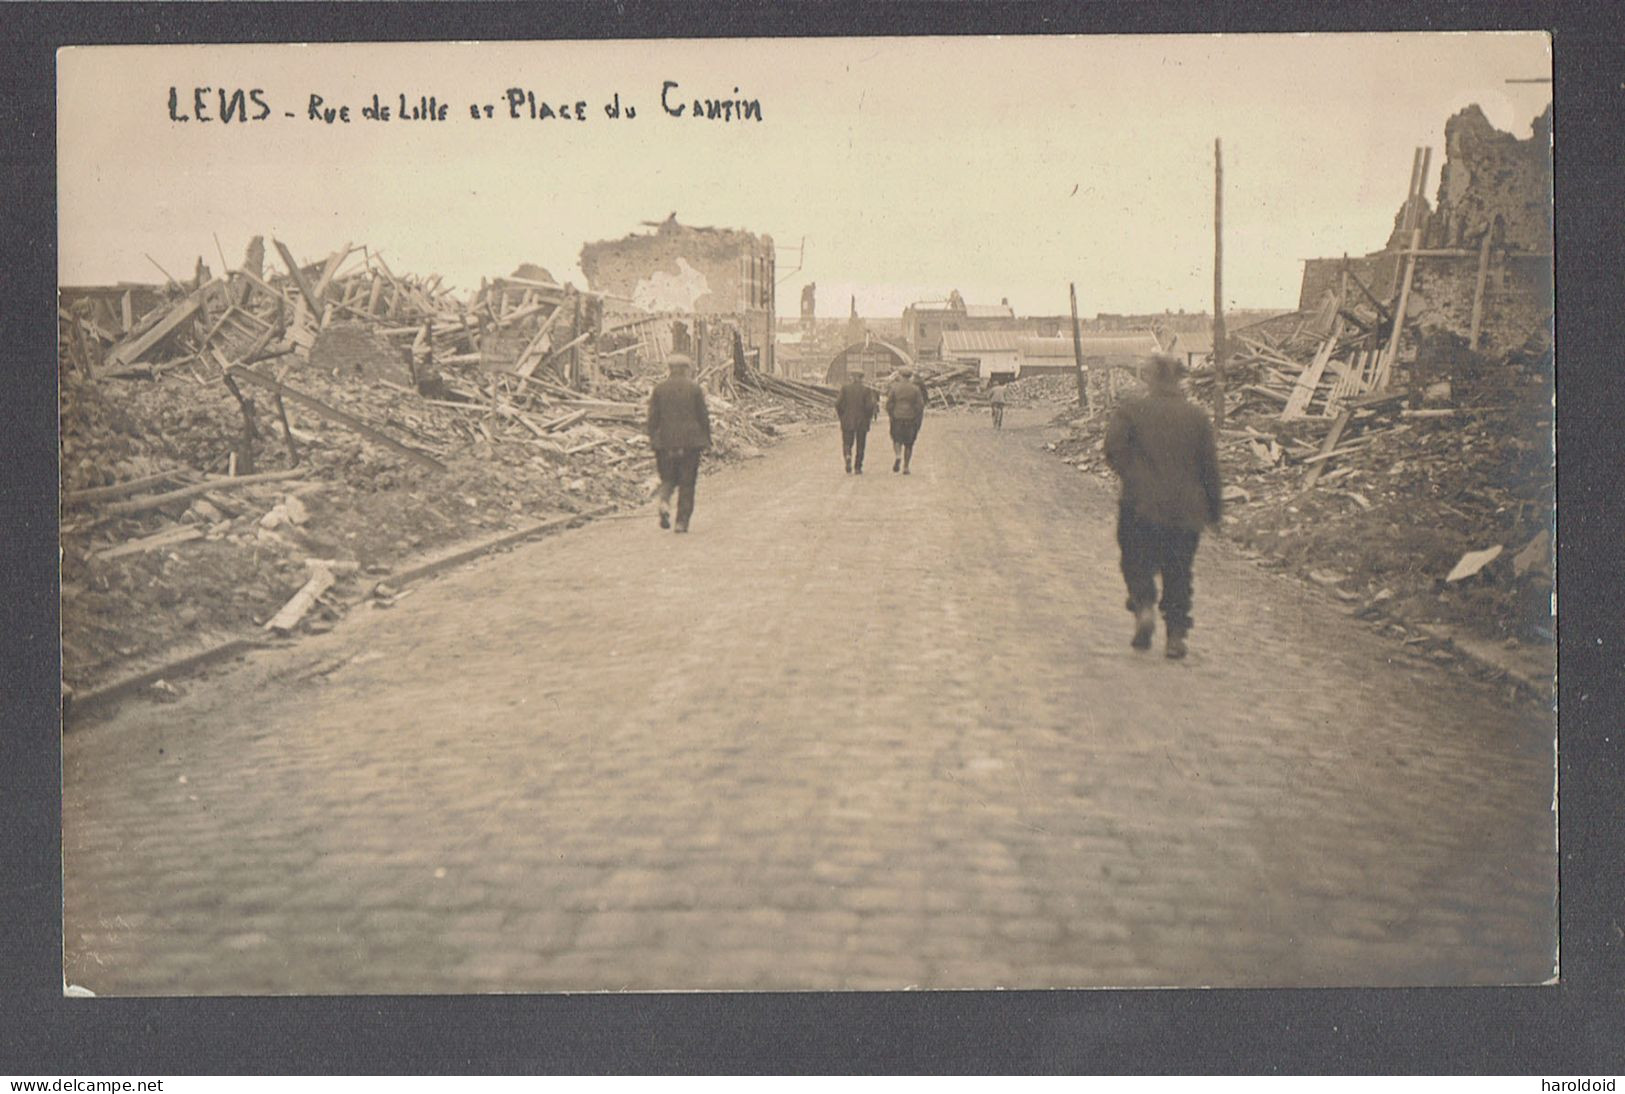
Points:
(1486, 243)
(722, 277)
(925, 322)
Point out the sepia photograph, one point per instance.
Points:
(808, 514)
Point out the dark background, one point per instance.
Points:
(1575, 1028)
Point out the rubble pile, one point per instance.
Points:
(1051, 388)
(248, 433)
(1392, 440)
(1417, 517)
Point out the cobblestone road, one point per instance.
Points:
(850, 732)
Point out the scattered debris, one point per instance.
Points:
(218, 433)
(1474, 561)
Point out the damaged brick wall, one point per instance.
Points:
(1322, 274)
(1517, 298)
(346, 348)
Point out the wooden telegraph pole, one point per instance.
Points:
(1218, 287)
(1077, 351)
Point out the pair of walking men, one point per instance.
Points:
(858, 405)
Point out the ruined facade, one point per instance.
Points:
(1491, 217)
(723, 274)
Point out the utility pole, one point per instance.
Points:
(1218, 287)
(1077, 351)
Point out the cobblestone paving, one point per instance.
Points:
(851, 732)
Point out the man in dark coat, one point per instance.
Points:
(1163, 449)
(856, 406)
(905, 406)
(679, 430)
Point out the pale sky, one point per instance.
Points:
(1004, 167)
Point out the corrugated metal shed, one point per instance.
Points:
(1191, 341)
(1126, 344)
(981, 341)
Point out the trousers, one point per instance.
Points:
(1149, 550)
(853, 442)
(680, 471)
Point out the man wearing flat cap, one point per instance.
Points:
(679, 431)
(856, 407)
(905, 406)
(1162, 448)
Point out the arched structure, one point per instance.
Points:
(877, 359)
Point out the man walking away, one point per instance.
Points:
(905, 406)
(998, 406)
(1162, 448)
(856, 406)
(679, 430)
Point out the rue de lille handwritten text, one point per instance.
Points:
(240, 105)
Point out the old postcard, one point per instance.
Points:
(807, 514)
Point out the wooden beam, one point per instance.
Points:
(1303, 392)
(1387, 365)
(141, 505)
(1077, 351)
(532, 355)
(129, 352)
(1478, 289)
(1327, 448)
(321, 580)
(169, 537)
(339, 416)
(330, 269)
(298, 276)
(119, 489)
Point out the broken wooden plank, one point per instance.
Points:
(169, 537)
(565, 420)
(1347, 449)
(1386, 367)
(228, 482)
(1308, 380)
(298, 276)
(119, 489)
(330, 269)
(339, 416)
(1478, 290)
(1327, 448)
(532, 355)
(321, 580)
(131, 350)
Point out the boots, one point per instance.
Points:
(1145, 625)
(849, 465)
(1176, 643)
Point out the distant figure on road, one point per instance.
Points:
(905, 406)
(1163, 449)
(998, 406)
(857, 406)
(679, 430)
